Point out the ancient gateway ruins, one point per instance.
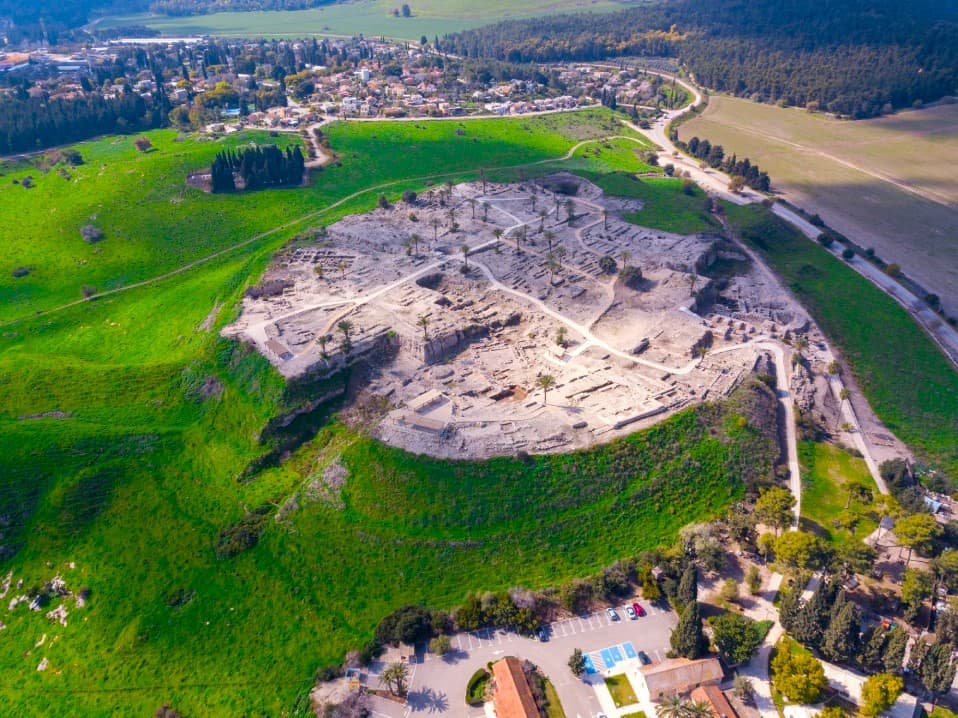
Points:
(462, 300)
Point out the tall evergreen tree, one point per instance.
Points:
(937, 671)
(874, 650)
(841, 642)
(688, 640)
(688, 590)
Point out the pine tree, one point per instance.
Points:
(687, 639)
(841, 642)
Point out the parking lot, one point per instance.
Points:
(438, 684)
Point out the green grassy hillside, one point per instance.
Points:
(125, 424)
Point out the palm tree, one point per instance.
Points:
(605, 219)
(423, 321)
(553, 265)
(693, 280)
(520, 236)
(624, 257)
(346, 327)
(542, 219)
(550, 238)
(569, 206)
(533, 199)
(482, 178)
(497, 233)
(436, 224)
(465, 255)
(342, 268)
(415, 239)
(452, 219)
(449, 186)
(472, 203)
(394, 676)
(485, 211)
(323, 340)
(698, 709)
(671, 707)
(545, 382)
(407, 245)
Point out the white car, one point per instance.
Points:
(630, 612)
(610, 612)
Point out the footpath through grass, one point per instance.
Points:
(909, 383)
(827, 470)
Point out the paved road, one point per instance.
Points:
(438, 684)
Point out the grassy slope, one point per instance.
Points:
(826, 469)
(665, 207)
(906, 379)
(367, 17)
(133, 484)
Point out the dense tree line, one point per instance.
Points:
(714, 155)
(201, 7)
(28, 124)
(850, 57)
(259, 167)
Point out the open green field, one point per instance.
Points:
(888, 183)
(909, 383)
(826, 471)
(367, 17)
(126, 422)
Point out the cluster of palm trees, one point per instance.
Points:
(679, 707)
(395, 677)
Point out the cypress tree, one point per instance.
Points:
(937, 672)
(874, 651)
(687, 639)
(789, 608)
(894, 655)
(840, 642)
(688, 590)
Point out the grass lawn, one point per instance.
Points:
(621, 689)
(118, 470)
(359, 17)
(666, 206)
(909, 383)
(554, 708)
(826, 470)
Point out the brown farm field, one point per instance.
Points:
(888, 183)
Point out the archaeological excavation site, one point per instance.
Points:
(500, 318)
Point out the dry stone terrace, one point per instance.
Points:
(458, 338)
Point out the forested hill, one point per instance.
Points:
(852, 57)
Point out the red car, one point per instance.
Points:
(638, 609)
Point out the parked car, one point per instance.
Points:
(630, 612)
(644, 658)
(544, 634)
(638, 609)
(610, 612)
